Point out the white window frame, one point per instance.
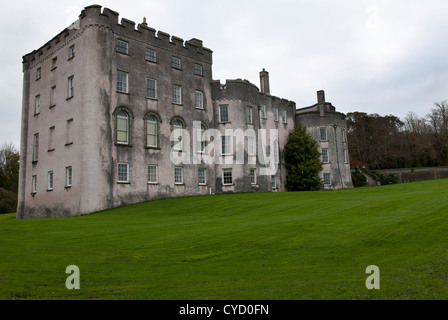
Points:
(50, 180)
(178, 173)
(284, 116)
(345, 156)
(199, 99)
(198, 70)
(155, 174)
(176, 63)
(71, 87)
(121, 172)
(176, 91)
(263, 111)
(122, 81)
(249, 119)
(276, 114)
(150, 55)
(34, 184)
(202, 176)
(226, 145)
(153, 120)
(224, 113)
(253, 176)
(71, 52)
(151, 88)
(122, 46)
(178, 145)
(251, 150)
(224, 171)
(37, 104)
(122, 117)
(36, 147)
(325, 156)
(68, 176)
(323, 134)
(327, 179)
(343, 133)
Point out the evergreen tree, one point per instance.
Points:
(302, 159)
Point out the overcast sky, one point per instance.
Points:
(385, 57)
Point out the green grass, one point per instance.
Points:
(306, 245)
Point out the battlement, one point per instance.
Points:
(239, 89)
(96, 16)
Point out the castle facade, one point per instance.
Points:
(115, 114)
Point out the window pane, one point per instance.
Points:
(150, 55)
(152, 174)
(227, 176)
(150, 88)
(201, 176)
(122, 46)
(223, 114)
(123, 172)
(178, 175)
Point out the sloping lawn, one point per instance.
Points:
(296, 245)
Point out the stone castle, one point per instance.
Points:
(108, 105)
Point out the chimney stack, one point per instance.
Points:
(264, 82)
(321, 97)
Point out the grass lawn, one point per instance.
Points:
(289, 246)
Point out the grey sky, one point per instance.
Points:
(385, 57)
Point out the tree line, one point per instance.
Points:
(9, 177)
(388, 142)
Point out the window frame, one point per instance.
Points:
(202, 182)
(275, 114)
(126, 165)
(325, 158)
(223, 107)
(177, 170)
(156, 174)
(122, 48)
(36, 147)
(284, 120)
(224, 171)
(226, 145)
(263, 111)
(71, 52)
(122, 83)
(34, 184)
(323, 134)
(71, 87)
(149, 89)
(176, 63)
(50, 181)
(118, 117)
(199, 99)
(68, 176)
(249, 117)
(176, 94)
(198, 69)
(253, 176)
(37, 104)
(327, 179)
(152, 58)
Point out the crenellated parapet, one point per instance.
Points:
(96, 16)
(245, 91)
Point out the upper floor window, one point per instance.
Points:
(122, 46)
(249, 115)
(34, 184)
(35, 147)
(275, 114)
(38, 73)
(54, 62)
(71, 52)
(50, 181)
(151, 132)
(224, 113)
(122, 123)
(150, 55)
(197, 69)
(151, 88)
(199, 99)
(176, 94)
(325, 158)
(71, 87)
(37, 104)
(176, 63)
(345, 156)
(284, 116)
(263, 112)
(344, 138)
(122, 82)
(68, 176)
(226, 145)
(323, 134)
(177, 126)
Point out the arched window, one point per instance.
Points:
(178, 142)
(122, 127)
(123, 123)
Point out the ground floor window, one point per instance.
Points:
(123, 172)
(227, 177)
(327, 178)
(178, 175)
(202, 176)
